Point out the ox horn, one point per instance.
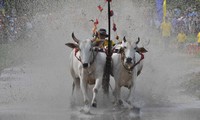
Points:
(138, 40)
(124, 39)
(74, 38)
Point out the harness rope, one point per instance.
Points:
(93, 54)
(132, 67)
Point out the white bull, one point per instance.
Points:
(127, 65)
(86, 67)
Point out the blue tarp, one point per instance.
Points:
(159, 10)
(2, 4)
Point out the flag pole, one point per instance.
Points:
(107, 68)
(164, 10)
(109, 31)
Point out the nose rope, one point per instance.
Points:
(135, 63)
(75, 54)
(79, 58)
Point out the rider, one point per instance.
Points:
(101, 40)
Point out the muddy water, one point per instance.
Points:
(41, 113)
(40, 88)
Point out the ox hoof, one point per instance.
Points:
(120, 102)
(94, 105)
(85, 109)
(118, 105)
(135, 109)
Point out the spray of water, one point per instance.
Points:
(46, 58)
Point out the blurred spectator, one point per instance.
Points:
(181, 38)
(197, 24)
(1, 23)
(198, 39)
(188, 20)
(174, 25)
(3, 32)
(12, 32)
(177, 12)
(166, 32)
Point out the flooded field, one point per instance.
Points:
(40, 87)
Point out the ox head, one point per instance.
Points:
(85, 47)
(129, 49)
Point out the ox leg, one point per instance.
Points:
(133, 108)
(75, 88)
(75, 85)
(130, 98)
(127, 99)
(130, 101)
(95, 91)
(117, 95)
(84, 91)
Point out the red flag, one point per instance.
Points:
(111, 13)
(100, 8)
(96, 22)
(114, 27)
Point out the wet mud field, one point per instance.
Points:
(36, 91)
(39, 88)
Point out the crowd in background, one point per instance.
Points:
(184, 28)
(187, 20)
(13, 26)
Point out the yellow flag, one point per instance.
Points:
(164, 9)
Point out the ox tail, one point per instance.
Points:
(106, 77)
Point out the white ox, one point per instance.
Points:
(127, 65)
(86, 67)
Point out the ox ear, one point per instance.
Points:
(124, 42)
(142, 50)
(124, 39)
(74, 38)
(138, 40)
(72, 45)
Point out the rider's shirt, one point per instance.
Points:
(166, 29)
(103, 43)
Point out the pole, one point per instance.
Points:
(107, 68)
(164, 9)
